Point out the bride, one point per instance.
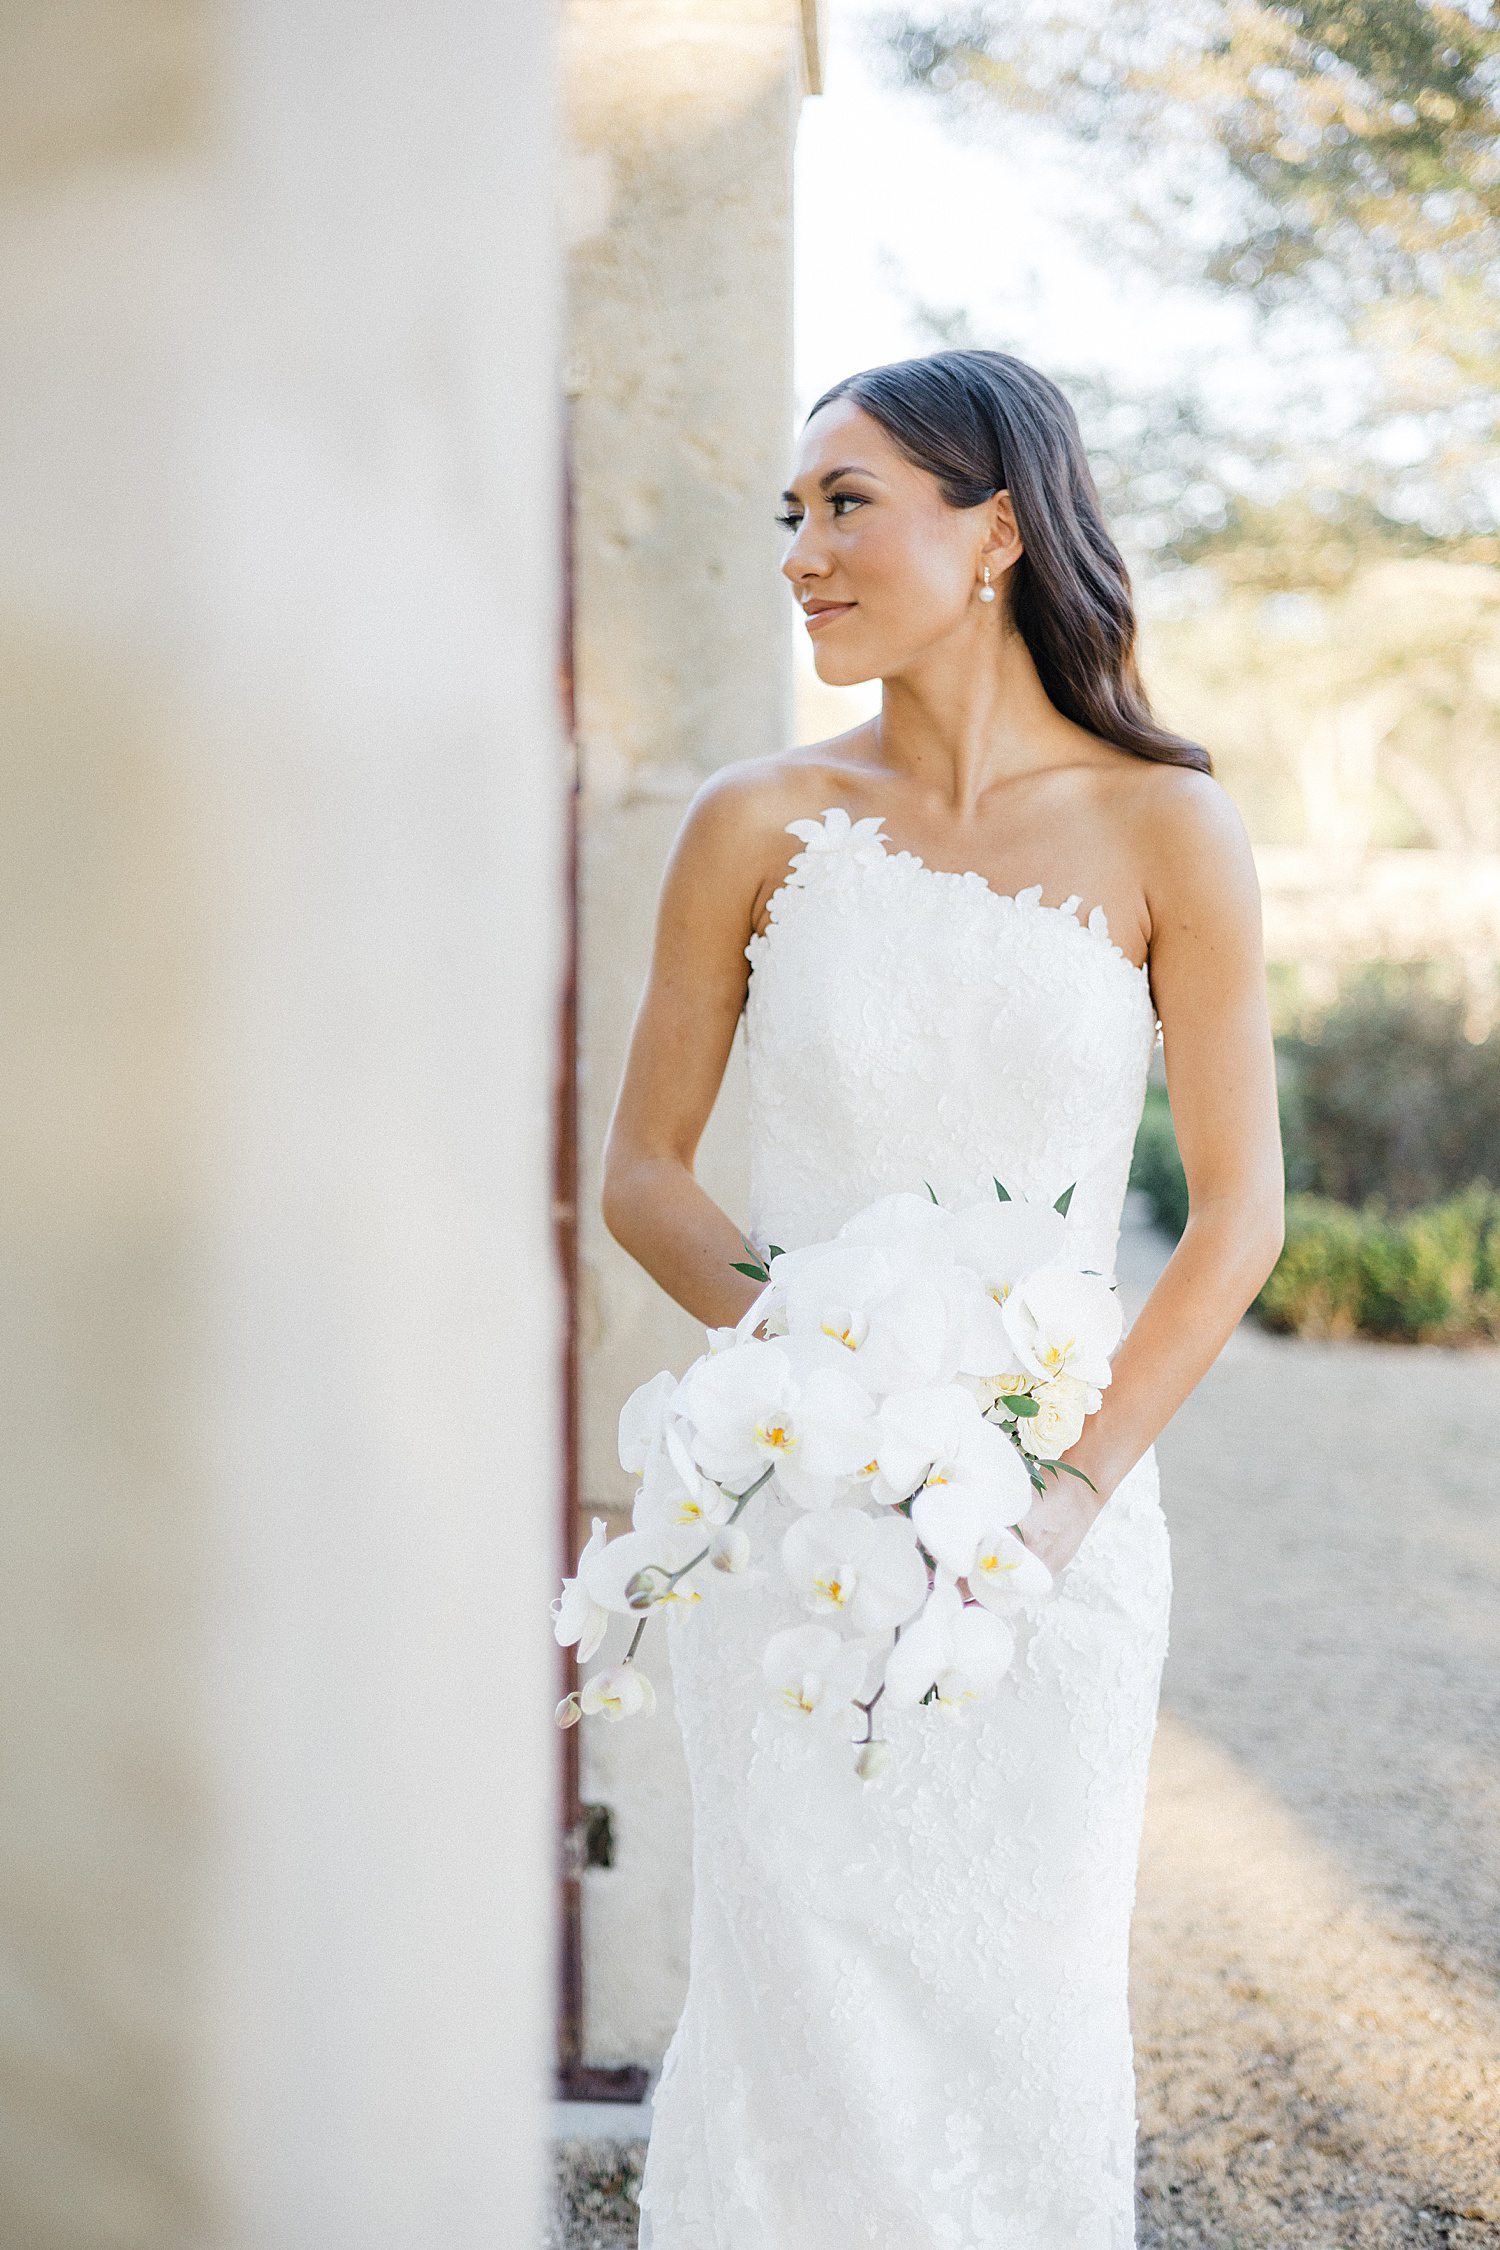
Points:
(906, 2024)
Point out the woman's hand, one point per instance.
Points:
(1058, 1521)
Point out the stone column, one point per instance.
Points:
(682, 117)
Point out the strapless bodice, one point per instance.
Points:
(910, 1027)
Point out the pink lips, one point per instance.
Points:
(823, 613)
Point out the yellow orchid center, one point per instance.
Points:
(796, 1699)
(775, 1437)
(832, 1589)
(844, 1336)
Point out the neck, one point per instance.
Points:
(960, 721)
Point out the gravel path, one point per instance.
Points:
(1317, 1957)
(1316, 1993)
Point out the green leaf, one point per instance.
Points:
(932, 1191)
(1021, 1405)
(1072, 1470)
(1064, 1200)
(1003, 1193)
(774, 1250)
(756, 1273)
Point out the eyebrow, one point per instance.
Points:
(830, 477)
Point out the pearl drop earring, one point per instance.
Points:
(986, 591)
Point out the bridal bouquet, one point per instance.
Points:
(915, 1382)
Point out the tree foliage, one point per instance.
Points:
(1362, 716)
(1338, 158)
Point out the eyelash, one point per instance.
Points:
(855, 499)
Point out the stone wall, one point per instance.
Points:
(682, 115)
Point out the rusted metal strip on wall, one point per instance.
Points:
(579, 1826)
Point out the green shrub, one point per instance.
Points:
(1156, 1167)
(1369, 1268)
(1316, 1288)
(1385, 1096)
(1429, 1276)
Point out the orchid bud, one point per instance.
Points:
(729, 1547)
(647, 1586)
(619, 1692)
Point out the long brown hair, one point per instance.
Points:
(981, 422)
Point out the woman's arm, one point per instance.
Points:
(679, 1047)
(1209, 984)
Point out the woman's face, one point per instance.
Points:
(884, 568)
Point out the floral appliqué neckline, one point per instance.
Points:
(862, 842)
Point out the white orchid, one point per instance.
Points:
(675, 1493)
(1063, 1322)
(952, 1519)
(815, 1673)
(939, 1437)
(1004, 1241)
(976, 1335)
(634, 1572)
(579, 1617)
(643, 1421)
(653, 1445)
(618, 1692)
(874, 1402)
(872, 1311)
(844, 1561)
(956, 1648)
(764, 1310)
(1006, 1575)
(754, 1407)
(906, 1224)
(738, 1405)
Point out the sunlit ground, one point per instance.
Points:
(1317, 1942)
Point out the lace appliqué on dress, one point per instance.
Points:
(906, 2025)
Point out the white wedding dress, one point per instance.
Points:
(906, 2023)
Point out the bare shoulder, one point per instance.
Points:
(1192, 847)
(735, 825)
(750, 798)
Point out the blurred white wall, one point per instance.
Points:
(280, 830)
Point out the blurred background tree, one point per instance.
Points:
(1353, 717)
(1337, 167)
